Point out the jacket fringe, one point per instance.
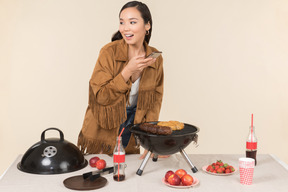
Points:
(90, 146)
(146, 99)
(109, 117)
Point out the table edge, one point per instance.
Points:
(279, 161)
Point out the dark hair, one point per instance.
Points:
(145, 13)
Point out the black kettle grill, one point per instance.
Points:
(165, 144)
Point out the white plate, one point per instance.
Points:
(219, 174)
(195, 182)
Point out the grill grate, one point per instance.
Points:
(187, 130)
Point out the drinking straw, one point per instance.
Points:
(251, 127)
(119, 139)
(252, 120)
(121, 132)
(119, 149)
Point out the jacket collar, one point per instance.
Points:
(122, 51)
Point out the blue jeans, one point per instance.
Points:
(130, 119)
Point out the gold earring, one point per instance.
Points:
(147, 32)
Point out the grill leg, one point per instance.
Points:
(143, 164)
(155, 157)
(193, 168)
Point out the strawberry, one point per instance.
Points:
(219, 162)
(226, 165)
(220, 170)
(211, 169)
(232, 169)
(227, 171)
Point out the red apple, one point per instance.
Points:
(180, 172)
(101, 164)
(93, 161)
(168, 173)
(174, 179)
(187, 179)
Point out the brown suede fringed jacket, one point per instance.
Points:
(108, 96)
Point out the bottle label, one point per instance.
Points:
(251, 145)
(118, 158)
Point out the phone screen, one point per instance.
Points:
(154, 54)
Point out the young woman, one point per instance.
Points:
(125, 87)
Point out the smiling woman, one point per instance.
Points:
(145, 16)
(132, 26)
(126, 87)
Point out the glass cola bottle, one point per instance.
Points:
(251, 144)
(119, 160)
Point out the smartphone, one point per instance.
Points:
(154, 54)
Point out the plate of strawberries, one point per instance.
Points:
(219, 168)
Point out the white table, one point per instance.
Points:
(270, 175)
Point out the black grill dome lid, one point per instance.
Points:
(52, 156)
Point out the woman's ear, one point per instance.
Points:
(147, 26)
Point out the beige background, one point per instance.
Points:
(224, 60)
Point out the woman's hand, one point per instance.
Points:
(159, 156)
(135, 66)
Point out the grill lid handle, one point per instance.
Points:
(52, 128)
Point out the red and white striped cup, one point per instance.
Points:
(246, 169)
